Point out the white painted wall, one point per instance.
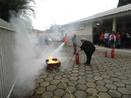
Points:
(82, 31)
(86, 32)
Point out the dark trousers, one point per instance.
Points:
(89, 56)
(75, 48)
(106, 42)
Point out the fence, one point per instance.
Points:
(7, 72)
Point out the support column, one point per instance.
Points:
(114, 25)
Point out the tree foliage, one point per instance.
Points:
(123, 2)
(14, 6)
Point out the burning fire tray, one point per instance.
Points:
(53, 63)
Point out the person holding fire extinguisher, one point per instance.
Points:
(88, 48)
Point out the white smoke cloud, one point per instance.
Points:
(27, 63)
(29, 59)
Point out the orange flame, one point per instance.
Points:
(51, 61)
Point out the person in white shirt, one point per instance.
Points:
(112, 39)
(106, 39)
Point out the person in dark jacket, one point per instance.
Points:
(89, 49)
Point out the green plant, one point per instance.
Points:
(7, 7)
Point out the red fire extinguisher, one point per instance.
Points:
(113, 52)
(77, 58)
(65, 39)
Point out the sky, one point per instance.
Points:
(49, 12)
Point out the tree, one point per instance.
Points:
(123, 2)
(14, 6)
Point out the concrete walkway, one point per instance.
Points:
(117, 50)
(105, 78)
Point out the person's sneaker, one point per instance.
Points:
(86, 64)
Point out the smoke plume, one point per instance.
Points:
(27, 63)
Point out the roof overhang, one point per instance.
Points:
(113, 13)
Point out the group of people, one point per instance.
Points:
(86, 46)
(113, 39)
(109, 39)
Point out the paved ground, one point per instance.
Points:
(105, 78)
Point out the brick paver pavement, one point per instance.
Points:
(105, 78)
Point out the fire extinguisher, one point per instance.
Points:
(113, 52)
(77, 59)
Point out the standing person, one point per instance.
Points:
(74, 41)
(88, 48)
(112, 39)
(65, 39)
(127, 40)
(123, 39)
(101, 39)
(118, 40)
(106, 39)
(46, 41)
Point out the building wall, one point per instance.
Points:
(7, 75)
(85, 31)
(82, 30)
